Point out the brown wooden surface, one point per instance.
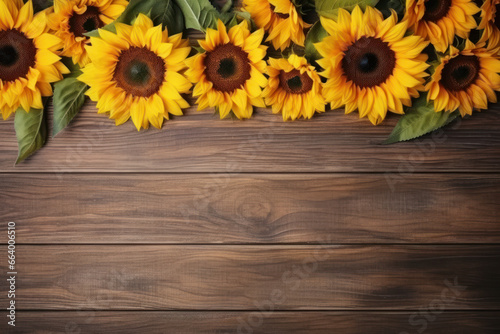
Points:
(155, 322)
(190, 229)
(320, 277)
(251, 208)
(200, 142)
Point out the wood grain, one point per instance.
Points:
(246, 208)
(200, 142)
(153, 322)
(201, 226)
(141, 277)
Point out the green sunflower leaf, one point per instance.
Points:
(31, 132)
(199, 14)
(167, 12)
(72, 67)
(307, 10)
(235, 17)
(419, 120)
(164, 12)
(315, 35)
(69, 96)
(223, 6)
(387, 6)
(330, 8)
(229, 19)
(39, 5)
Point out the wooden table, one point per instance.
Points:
(255, 226)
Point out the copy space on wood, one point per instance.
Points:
(163, 277)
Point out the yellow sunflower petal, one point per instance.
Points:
(131, 77)
(370, 64)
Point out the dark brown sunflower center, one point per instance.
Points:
(282, 15)
(436, 9)
(460, 72)
(368, 62)
(80, 24)
(496, 18)
(17, 55)
(139, 72)
(295, 83)
(227, 67)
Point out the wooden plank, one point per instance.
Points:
(200, 142)
(151, 322)
(141, 277)
(296, 208)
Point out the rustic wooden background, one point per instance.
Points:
(199, 227)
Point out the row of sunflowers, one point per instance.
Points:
(428, 60)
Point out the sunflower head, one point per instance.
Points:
(72, 19)
(294, 88)
(438, 21)
(229, 74)
(281, 20)
(465, 80)
(370, 64)
(28, 58)
(490, 24)
(135, 73)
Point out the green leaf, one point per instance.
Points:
(39, 5)
(68, 62)
(198, 49)
(330, 8)
(419, 120)
(167, 13)
(315, 35)
(69, 96)
(199, 14)
(31, 132)
(386, 7)
(229, 19)
(223, 6)
(235, 17)
(164, 12)
(307, 10)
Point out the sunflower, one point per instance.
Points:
(280, 19)
(294, 88)
(229, 74)
(465, 80)
(369, 63)
(489, 23)
(71, 19)
(28, 58)
(439, 20)
(135, 73)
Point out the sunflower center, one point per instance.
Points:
(81, 24)
(17, 55)
(227, 67)
(436, 9)
(139, 72)
(368, 62)
(8, 56)
(282, 15)
(460, 72)
(294, 82)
